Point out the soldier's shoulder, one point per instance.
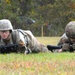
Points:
(28, 32)
(15, 31)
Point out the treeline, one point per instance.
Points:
(42, 17)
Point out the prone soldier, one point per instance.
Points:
(67, 41)
(24, 40)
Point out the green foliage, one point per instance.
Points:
(52, 14)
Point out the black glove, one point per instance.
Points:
(66, 47)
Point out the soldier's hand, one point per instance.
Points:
(73, 46)
(28, 51)
(66, 47)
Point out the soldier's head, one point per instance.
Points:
(70, 30)
(5, 28)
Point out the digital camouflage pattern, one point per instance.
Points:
(34, 44)
(67, 40)
(70, 29)
(5, 25)
(26, 40)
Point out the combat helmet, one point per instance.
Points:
(5, 24)
(70, 30)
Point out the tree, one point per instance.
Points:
(53, 15)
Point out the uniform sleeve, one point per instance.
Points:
(62, 40)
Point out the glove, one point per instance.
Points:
(28, 51)
(73, 46)
(66, 47)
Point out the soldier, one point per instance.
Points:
(67, 41)
(25, 40)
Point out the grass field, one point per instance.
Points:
(48, 40)
(38, 64)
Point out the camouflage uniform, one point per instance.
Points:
(66, 39)
(26, 40)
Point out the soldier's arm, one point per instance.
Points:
(18, 40)
(62, 40)
(35, 45)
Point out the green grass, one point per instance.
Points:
(48, 40)
(38, 64)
